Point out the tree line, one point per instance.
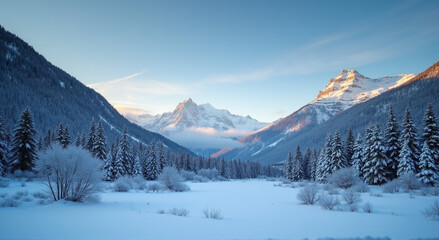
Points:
(378, 158)
(126, 156)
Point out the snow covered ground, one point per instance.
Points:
(254, 209)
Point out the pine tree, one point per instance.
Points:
(83, 141)
(327, 167)
(427, 168)
(297, 165)
(288, 172)
(409, 135)
(59, 134)
(66, 140)
(393, 145)
(91, 136)
(150, 172)
(349, 147)
(23, 144)
(357, 157)
(431, 133)
(406, 162)
(137, 169)
(78, 141)
(375, 169)
(99, 149)
(321, 166)
(47, 139)
(337, 156)
(122, 164)
(40, 144)
(110, 173)
(367, 144)
(307, 164)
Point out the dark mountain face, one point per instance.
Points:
(27, 79)
(414, 95)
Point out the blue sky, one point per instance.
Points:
(260, 58)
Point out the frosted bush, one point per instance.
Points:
(343, 178)
(187, 175)
(425, 191)
(309, 194)
(434, 191)
(360, 187)
(138, 182)
(367, 207)
(154, 187)
(392, 186)
(328, 202)
(376, 195)
(172, 180)
(3, 182)
(182, 212)
(409, 182)
(161, 211)
(351, 197)
(123, 184)
(433, 211)
(198, 178)
(70, 173)
(39, 195)
(20, 194)
(9, 202)
(211, 174)
(213, 213)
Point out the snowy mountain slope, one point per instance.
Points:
(27, 79)
(341, 93)
(214, 128)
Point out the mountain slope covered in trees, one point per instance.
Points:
(415, 95)
(27, 79)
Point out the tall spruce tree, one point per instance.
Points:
(307, 164)
(59, 134)
(91, 137)
(367, 144)
(327, 167)
(409, 135)
(47, 141)
(375, 169)
(431, 133)
(122, 164)
(297, 165)
(349, 147)
(357, 157)
(321, 166)
(393, 145)
(428, 172)
(66, 139)
(338, 160)
(150, 171)
(162, 160)
(406, 162)
(99, 149)
(23, 143)
(3, 147)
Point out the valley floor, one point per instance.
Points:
(253, 209)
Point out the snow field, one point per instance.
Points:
(255, 209)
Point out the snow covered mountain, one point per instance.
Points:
(202, 128)
(342, 92)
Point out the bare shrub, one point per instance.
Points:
(213, 213)
(433, 211)
(182, 212)
(425, 191)
(343, 178)
(172, 180)
(351, 197)
(328, 202)
(367, 207)
(211, 174)
(309, 194)
(434, 191)
(409, 182)
(71, 173)
(198, 178)
(392, 186)
(39, 195)
(20, 194)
